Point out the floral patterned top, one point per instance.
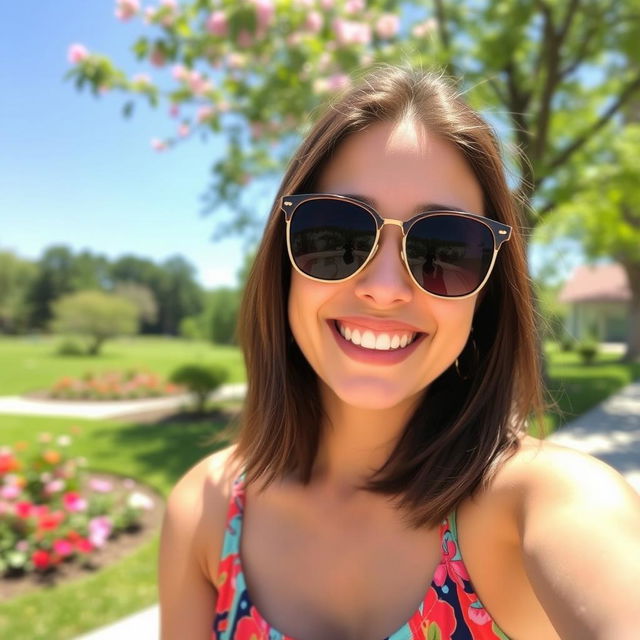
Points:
(450, 609)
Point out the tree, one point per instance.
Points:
(604, 213)
(141, 297)
(95, 315)
(550, 72)
(16, 276)
(179, 294)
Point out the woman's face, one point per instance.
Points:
(400, 168)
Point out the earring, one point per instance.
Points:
(476, 358)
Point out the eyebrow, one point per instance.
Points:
(421, 208)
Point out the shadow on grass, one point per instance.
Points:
(163, 451)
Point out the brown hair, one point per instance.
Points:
(462, 428)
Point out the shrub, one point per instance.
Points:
(70, 347)
(588, 350)
(51, 513)
(567, 343)
(200, 380)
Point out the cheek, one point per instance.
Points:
(305, 298)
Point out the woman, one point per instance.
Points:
(382, 484)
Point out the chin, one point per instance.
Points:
(374, 394)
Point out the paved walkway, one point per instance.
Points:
(610, 431)
(108, 408)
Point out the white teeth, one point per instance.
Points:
(380, 342)
(368, 340)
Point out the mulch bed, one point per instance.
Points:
(114, 550)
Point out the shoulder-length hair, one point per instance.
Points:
(465, 425)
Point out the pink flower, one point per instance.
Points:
(139, 500)
(353, 6)
(100, 486)
(327, 4)
(99, 530)
(54, 486)
(388, 25)
(158, 145)
(22, 545)
(314, 22)
(179, 72)
(424, 28)
(23, 509)
(245, 39)
(126, 9)
(174, 110)
(74, 502)
(63, 548)
(198, 84)
(10, 492)
(217, 23)
(265, 12)
(349, 32)
(205, 113)
(184, 130)
(77, 53)
(338, 81)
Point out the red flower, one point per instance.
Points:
(51, 521)
(24, 509)
(8, 463)
(252, 627)
(41, 559)
(84, 546)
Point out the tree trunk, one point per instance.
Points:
(633, 340)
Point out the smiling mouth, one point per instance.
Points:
(377, 340)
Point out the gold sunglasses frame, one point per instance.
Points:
(500, 232)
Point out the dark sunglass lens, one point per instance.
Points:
(331, 239)
(449, 255)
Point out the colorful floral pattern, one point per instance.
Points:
(450, 610)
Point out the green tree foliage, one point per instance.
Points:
(16, 276)
(552, 73)
(604, 211)
(95, 315)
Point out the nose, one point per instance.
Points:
(385, 282)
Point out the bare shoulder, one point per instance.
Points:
(543, 470)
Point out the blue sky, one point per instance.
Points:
(74, 171)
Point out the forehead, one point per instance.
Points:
(401, 166)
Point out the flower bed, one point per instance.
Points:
(113, 386)
(51, 512)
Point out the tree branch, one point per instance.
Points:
(631, 89)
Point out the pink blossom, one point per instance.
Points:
(100, 486)
(184, 130)
(217, 23)
(6, 507)
(74, 502)
(349, 32)
(126, 9)
(99, 530)
(149, 15)
(424, 28)
(338, 81)
(265, 12)
(77, 53)
(245, 39)
(158, 145)
(327, 4)
(205, 113)
(198, 84)
(63, 548)
(388, 25)
(174, 110)
(157, 58)
(169, 9)
(353, 6)
(54, 486)
(314, 22)
(179, 72)
(139, 500)
(22, 545)
(10, 492)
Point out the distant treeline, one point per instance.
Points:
(168, 298)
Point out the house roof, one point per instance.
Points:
(597, 283)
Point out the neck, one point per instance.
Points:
(355, 442)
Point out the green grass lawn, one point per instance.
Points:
(29, 364)
(159, 454)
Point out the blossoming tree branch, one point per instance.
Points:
(255, 72)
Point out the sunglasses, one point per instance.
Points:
(448, 254)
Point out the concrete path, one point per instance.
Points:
(610, 431)
(108, 408)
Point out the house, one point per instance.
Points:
(598, 297)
